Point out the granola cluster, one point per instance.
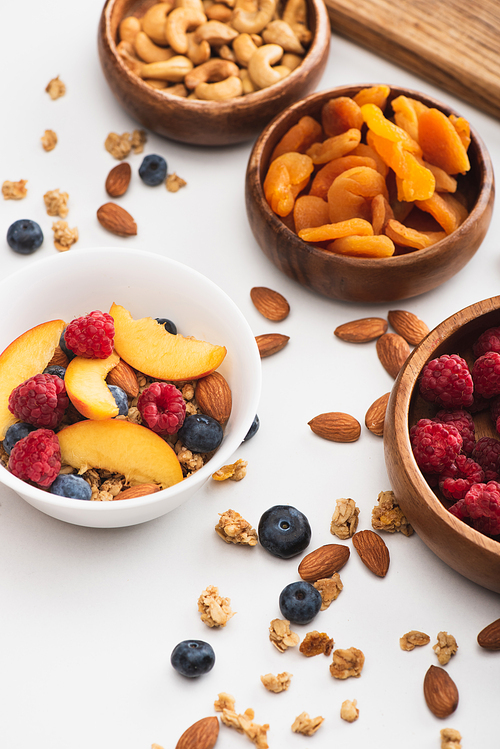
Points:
(450, 738)
(347, 663)
(329, 588)
(173, 183)
(349, 711)
(241, 722)
(234, 471)
(315, 643)
(56, 203)
(233, 529)
(445, 647)
(281, 635)
(64, 237)
(278, 683)
(14, 190)
(388, 516)
(55, 88)
(119, 146)
(215, 610)
(305, 725)
(413, 639)
(344, 519)
(49, 140)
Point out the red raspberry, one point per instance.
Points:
(478, 404)
(486, 374)
(91, 336)
(464, 422)
(435, 445)
(162, 407)
(487, 453)
(457, 479)
(487, 341)
(481, 505)
(36, 457)
(447, 382)
(41, 400)
(495, 411)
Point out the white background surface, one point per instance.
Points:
(88, 618)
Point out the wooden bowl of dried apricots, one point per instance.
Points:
(369, 193)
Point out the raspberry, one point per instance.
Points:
(481, 505)
(486, 374)
(487, 453)
(162, 407)
(463, 421)
(41, 400)
(479, 403)
(495, 411)
(36, 457)
(435, 445)
(447, 381)
(456, 480)
(487, 341)
(91, 336)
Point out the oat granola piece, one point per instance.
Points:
(173, 183)
(348, 711)
(49, 140)
(305, 725)
(445, 647)
(14, 190)
(190, 462)
(156, 746)
(224, 701)
(413, 639)
(56, 203)
(233, 529)
(344, 519)
(347, 663)
(388, 516)
(315, 643)
(281, 636)
(55, 88)
(215, 611)
(278, 683)
(450, 738)
(138, 141)
(234, 471)
(64, 237)
(118, 146)
(329, 588)
(241, 722)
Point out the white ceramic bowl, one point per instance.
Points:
(148, 285)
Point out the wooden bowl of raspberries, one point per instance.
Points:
(442, 441)
(369, 193)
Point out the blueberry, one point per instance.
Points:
(284, 531)
(254, 428)
(24, 236)
(70, 485)
(121, 399)
(62, 345)
(55, 369)
(300, 602)
(153, 170)
(200, 433)
(15, 433)
(193, 658)
(170, 326)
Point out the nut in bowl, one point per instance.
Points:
(214, 73)
(358, 173)
(428, 495)
(89, 416)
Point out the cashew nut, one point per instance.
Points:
(291, 61)
(254, 22)
(211, 71)
(295, 15)
(194, 4)
(280, 32)
(249, 6)
(179, 22)
(128, 29)
(172, 70)
(246, 82)
(153, 22)
(282, 70)
(149, 51)
(178, 89)
(259, 65)
(219, 12)
(244, 47)
(126, 52)
(153, 83)
(227, 89)
(197, 53)
(215, 33)
(226, 53)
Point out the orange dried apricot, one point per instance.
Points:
(444, 182)
(415, 181)
(335, 147)
(299, 138)
(324, 178)
(463, 129)
(310, 211)
(384, 128)
(286, 177)
(407, 237)
(446, 209)
(328, 232)
(441, 143)
(373, 95)
(377, 246)
(369, 153)
(381, 213)
(339, 115)
(406, 114)
(348, 193)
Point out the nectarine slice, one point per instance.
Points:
(120, 447)
(87, 389)
(148, 347)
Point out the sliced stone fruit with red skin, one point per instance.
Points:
(87, 389)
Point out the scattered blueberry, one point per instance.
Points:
(254, 428)
(170, 326)
(62, 345)
(15, 433)
(55, 369)
(121, 399)
(200, 433)
(24, 236)
(70, 485)
(300, 602)
(193, 658)
(153, 170)
(284, 531)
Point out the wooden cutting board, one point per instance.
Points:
(452, 43)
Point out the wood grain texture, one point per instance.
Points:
(452, 43)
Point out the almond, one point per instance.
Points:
(270, 303)
(323, 562)
(201, 735)
(117, 220)
(440, 692)
(361, 331)
(489, 637)
(141, 490)
(393, 351)
(118, 180)
(124, 377)
(408, 325)
(271, 343)
(59, 358)
(336, 426)
(375, 416)
(214, 397)
(372, 551)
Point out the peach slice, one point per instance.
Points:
(26, 356)
(148, 347)
(87, 389)
(120, 447)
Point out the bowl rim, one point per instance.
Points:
(227, 447)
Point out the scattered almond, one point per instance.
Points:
(372, 551)
(124, 377)
(201, 735)
(440, 692)
(336, 426)
(408, 325)
(270, 303)
(489, 637)
(141, 490)
(393, 351)
(323, 562)
(375, 416)
(271, 343)
(117, 220)
(361, 331)
(118, 180)
(214, 397)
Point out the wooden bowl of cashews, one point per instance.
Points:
(319, 208)
(210, 72)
